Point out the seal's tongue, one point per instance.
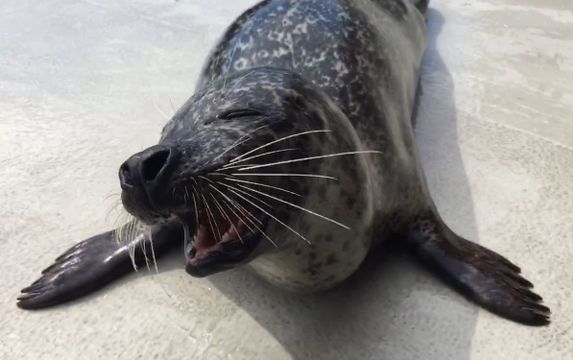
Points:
(205, 242)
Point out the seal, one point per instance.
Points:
(296, 155)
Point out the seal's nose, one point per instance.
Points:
(147, 169)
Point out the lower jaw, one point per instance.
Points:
(223, 256)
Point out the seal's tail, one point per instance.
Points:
(482, 275)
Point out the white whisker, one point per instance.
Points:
(213, 185)
(113, 208)
(144, 251)
(224, 214)
(167, 117)
(249, 195)
(209, 216)
(240, 141)
(125, 236)
(267, 213)
(150, 235)
(316, 176)
(118, 195)
(241, 209)
(310, 158)
(196, 194)
(194, 205)
(277, 141)
(238, 207)
(186, 196)
(229, 166)
(296, 206)
(262, 185)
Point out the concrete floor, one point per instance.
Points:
(85, 84)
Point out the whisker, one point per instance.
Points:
(144, 251)
(296, 206)
(195, 206)
(229, 166)
(209, 216)
(263, 185)
(310, 158)
(224, 214)
(247, 214)
(316, 176)
(238, 207)
(125, 236)
(268, 214)
(153, 257)
(240, 141)
(113, 207)
(132, 238)
(277, 141)
(214, 185)
(237, 83)
(111, 195)
(185, 197)
(195, 186)
(241, 209)
(249, 195)
(167, 117)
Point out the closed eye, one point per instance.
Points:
(239, 113)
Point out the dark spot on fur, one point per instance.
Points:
(312, 255)
(298, 252)
(331, 259)
(313, 269)
(350, 201)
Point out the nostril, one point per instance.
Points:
(125, 175)
(152, 165)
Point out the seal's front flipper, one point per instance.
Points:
(484, 276)
(89, 265)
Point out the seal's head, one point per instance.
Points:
(240, 163)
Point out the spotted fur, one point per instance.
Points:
(351, 67)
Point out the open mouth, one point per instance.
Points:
(218, 241)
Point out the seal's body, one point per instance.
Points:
(295, 156)
(365, 55)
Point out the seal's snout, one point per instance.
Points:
(147, 168)
(155, 163)
(144, 177)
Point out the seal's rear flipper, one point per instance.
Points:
(88, 266)
(484, 276)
